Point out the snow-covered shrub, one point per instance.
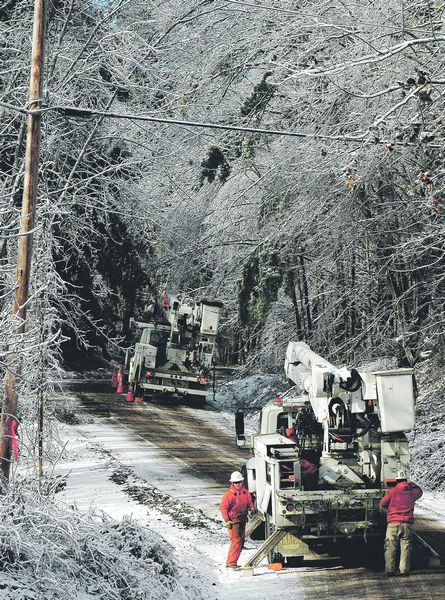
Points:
(51, 551)
(250, 393)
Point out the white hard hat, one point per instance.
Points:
(401, 474)
(235, 477)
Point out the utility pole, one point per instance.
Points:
(25, 242)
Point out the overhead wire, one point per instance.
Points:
(85, 112)
(72, 111)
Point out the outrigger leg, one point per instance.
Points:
(273, 540)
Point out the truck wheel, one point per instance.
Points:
(275, 557)
(294, 561)
(196, 401)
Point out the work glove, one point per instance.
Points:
(228, 524)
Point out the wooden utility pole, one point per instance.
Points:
(25, 242)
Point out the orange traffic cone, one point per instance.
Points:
(130, 396)
(138, 396)
(114, 377)
(120, 383)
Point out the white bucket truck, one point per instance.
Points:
(175, 353)
(325, 452)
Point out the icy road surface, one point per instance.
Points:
(167, 467)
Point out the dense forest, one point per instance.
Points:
(330, 229)
(283, 157)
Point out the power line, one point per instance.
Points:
(14, 108)
(85, 113)
(362, 138)
(82, 112)
(72, 111)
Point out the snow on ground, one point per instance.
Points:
(431, 506)
(112, 470)
(97, 453)
(48, 551)
(109, 469)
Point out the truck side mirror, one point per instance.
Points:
(239, 428)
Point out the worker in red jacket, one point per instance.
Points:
(399, 501)
(235, 505)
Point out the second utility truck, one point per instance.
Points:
(175, 352)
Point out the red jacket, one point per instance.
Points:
(400, 501)
(235, 504)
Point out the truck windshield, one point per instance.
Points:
(155, 337)
(282, 422)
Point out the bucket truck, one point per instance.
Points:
(174, 355)
(325, 452)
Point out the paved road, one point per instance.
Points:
(211, 453)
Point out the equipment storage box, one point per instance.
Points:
(395, 392)
(211, 312)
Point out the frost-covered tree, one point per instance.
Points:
(351, 208)
(336, 233)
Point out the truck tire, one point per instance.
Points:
(275, 557)
(294, 561)
(194, 400)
